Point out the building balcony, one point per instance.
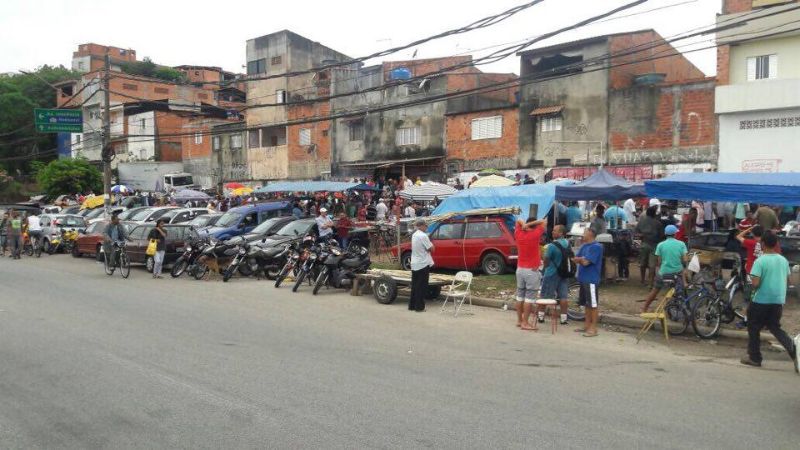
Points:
(757, 96)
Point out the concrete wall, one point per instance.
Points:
(642, 53)
(468, 154)
(662, 124)
(141, 148)
(585, 114)
(787, 49)
(760, 141)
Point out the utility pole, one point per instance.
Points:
(106, 152)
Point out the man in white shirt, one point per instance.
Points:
(630, 210)
(421, 262)
(324, 224)
(407, 183)
(410, 211)
(35, 229)
(380, 210)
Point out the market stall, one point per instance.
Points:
(530, 199)
(601, 185)
(427, 192)
(766, 188)
(491, 181)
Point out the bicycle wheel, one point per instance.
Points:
(706, 317)
(109, 268)
(124, 265)
(678, 317)
(575, 312)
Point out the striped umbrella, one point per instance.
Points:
(427, 191)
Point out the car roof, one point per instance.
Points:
(269, 206)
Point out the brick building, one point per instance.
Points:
(626, 99)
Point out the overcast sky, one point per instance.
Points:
(201, 32)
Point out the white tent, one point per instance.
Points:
(427, 192)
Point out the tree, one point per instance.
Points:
(66, 176)
(147, 68)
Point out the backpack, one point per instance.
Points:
(566, 269)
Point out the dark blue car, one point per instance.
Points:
(243, 219)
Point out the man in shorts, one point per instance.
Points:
(528, 236)
(553, 286)
(589, 261)
(671, 255)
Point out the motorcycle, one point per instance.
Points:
(215, 252)
(312, 264)
(266, 260)
(339, 268)
(187, 261)
(64, 242)
(242, 248)
(295, 257)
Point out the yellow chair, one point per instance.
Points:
(658, 315)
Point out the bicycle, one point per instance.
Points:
(33, 247)
(708, 316)
(120, 259)
(681, 308)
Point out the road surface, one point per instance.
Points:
(91, 361)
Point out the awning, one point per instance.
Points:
(547, 110)
(387, 163)
(427, 191)
(602, 185)
(767, 188)
(306, 186)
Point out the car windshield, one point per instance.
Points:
(95, 213)
(125, 215)
(169, 214)
(140, 215)
(200, 221)
(229, 219)
(266, 225)
(72, 221)
(295, 228)
(157, 214)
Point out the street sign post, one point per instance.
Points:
(58, 120)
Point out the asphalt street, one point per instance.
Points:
(92, 361)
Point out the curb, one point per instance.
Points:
(608, 318)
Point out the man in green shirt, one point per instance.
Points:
(671, 256)
(770, 276)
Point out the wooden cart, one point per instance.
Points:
(386, 284)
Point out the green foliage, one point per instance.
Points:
(66, 176)
(148, 68)
(19, 94)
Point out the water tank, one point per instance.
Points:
(400, 73)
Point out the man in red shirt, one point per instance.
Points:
(752, 245)
(529, 279)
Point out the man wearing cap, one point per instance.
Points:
(324, 225)
(671, 255)
(421, 262)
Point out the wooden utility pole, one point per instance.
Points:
(107, 154)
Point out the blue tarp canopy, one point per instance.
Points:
(365, 187)
(602, 185)
(498, 197)
(767, 188)
(306, 186)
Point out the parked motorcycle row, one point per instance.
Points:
(319, 263)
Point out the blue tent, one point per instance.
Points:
(365, 187)
(522, 197)
(602, 185)
(306, 186)
(767, 188)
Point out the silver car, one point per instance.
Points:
(52, 224)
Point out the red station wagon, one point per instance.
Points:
(484, 243)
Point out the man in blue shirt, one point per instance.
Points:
(574, 214)
(770, 276)
(615, 217)
(589, 261)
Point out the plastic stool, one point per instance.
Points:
(554, 317)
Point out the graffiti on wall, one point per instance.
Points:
(667, 157)
(761, 165)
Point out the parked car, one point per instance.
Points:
(150, 214)
(268, 228)
(51, 209)
(128, 213)
(90, 241)
(182, 215)
(485, 244)
(52, 224)
(292, 231)
(204, 221)
(137, 243)
(99, 214)
(72, 209)
(243, 219)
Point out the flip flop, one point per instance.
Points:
(579, 330)
(528, 328)
(589, 334)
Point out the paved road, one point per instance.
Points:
(90, 361)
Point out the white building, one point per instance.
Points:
(758, 93)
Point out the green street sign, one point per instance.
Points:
(59, 128)
(58, 120)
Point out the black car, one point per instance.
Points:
(268, 228)
(137, 243)
(291, 232)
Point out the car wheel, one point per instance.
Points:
(46, 246)
(405, 261)
(150, 264)
(75, 252)
(493, 264)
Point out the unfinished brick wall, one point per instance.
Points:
(461, 147)
(723, 64)
(640, 53)
(736, 6)
(305, 161)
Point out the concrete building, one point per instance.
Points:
(91, 57)
(629, 101)
(758, 89)
(274, 149)
(229, 152)
(411, 140)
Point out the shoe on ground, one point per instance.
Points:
(540, 319)
(564, 322)
(749, 362)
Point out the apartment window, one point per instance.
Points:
(77, 138)
(198, 138)
(257, 66)
(305, 136)
(356, 130)
(552, 123)
(236, 141)
(80, 65)
(160, 90)
(407, 136)
(280, 96)
(276, 60)
(253, 139)
(325, 133)
(563, 162)
(216, 142)
(762, 67)
(487, 128)
(130, 87)
(141, 123)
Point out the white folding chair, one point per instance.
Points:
(460, 289)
